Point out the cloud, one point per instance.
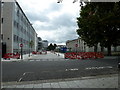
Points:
(64, 20)
(37, 16)
(59, 36)
(52, 21)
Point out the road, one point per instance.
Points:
(56, 68)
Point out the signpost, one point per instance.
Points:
(76, 45)
(21, 45)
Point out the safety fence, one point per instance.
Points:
(11, 55)
(83, 55)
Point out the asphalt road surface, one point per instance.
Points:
(44, 69)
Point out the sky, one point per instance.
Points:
(55, 22)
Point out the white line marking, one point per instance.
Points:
(73, 69)
(24, 74)
(20, 79)
(89, 68)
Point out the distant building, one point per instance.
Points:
(82, 47)
(40, 45)
(61, 48)
(45, 44)
(16, 29)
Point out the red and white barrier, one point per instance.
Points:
(83, 55)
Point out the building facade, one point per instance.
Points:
(16, 29)
(82, 47)
(39, 48)
(45, 44)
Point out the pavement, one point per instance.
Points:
(26, 57)
(101, 81)
(49, 54)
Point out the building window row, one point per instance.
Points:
(20, 40)
(19, 27)
(22, 18)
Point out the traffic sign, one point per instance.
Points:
(76, 45)
(21, 45)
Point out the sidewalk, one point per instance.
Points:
(103, 81)
(25, 56)
(49, 55)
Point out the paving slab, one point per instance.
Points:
(63, 85)
(72, 84)
(55, 85)
(47, 85)
(96, 82)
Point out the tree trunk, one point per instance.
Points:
(95, 48)
(102, 49)
(115, 49)
(109, 50)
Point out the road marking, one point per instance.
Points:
(32, 60)
(73, 69)
(20, 80)
(24, 74)
(90, 68)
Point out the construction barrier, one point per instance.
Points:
(83, 55)
(11, 55)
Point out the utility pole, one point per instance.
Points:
(0, 41)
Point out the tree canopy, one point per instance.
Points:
(99, 22)
(52, 47)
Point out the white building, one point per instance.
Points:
(81, 47)
(16, 29)
(39, 47)
(45, 44)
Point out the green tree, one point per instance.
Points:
(98, 24)
(31, 44)
(55, 46)
(51, 47)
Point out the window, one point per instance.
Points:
(2, 36)
(15, 23)
(21, 18)
(18, 25)
(18, 13)
(15, 38)
(19, 39)
(21, 29)
(2, 20)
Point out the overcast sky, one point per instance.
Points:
(55, 22)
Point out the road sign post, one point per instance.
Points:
(21, 45)
(76, 45)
